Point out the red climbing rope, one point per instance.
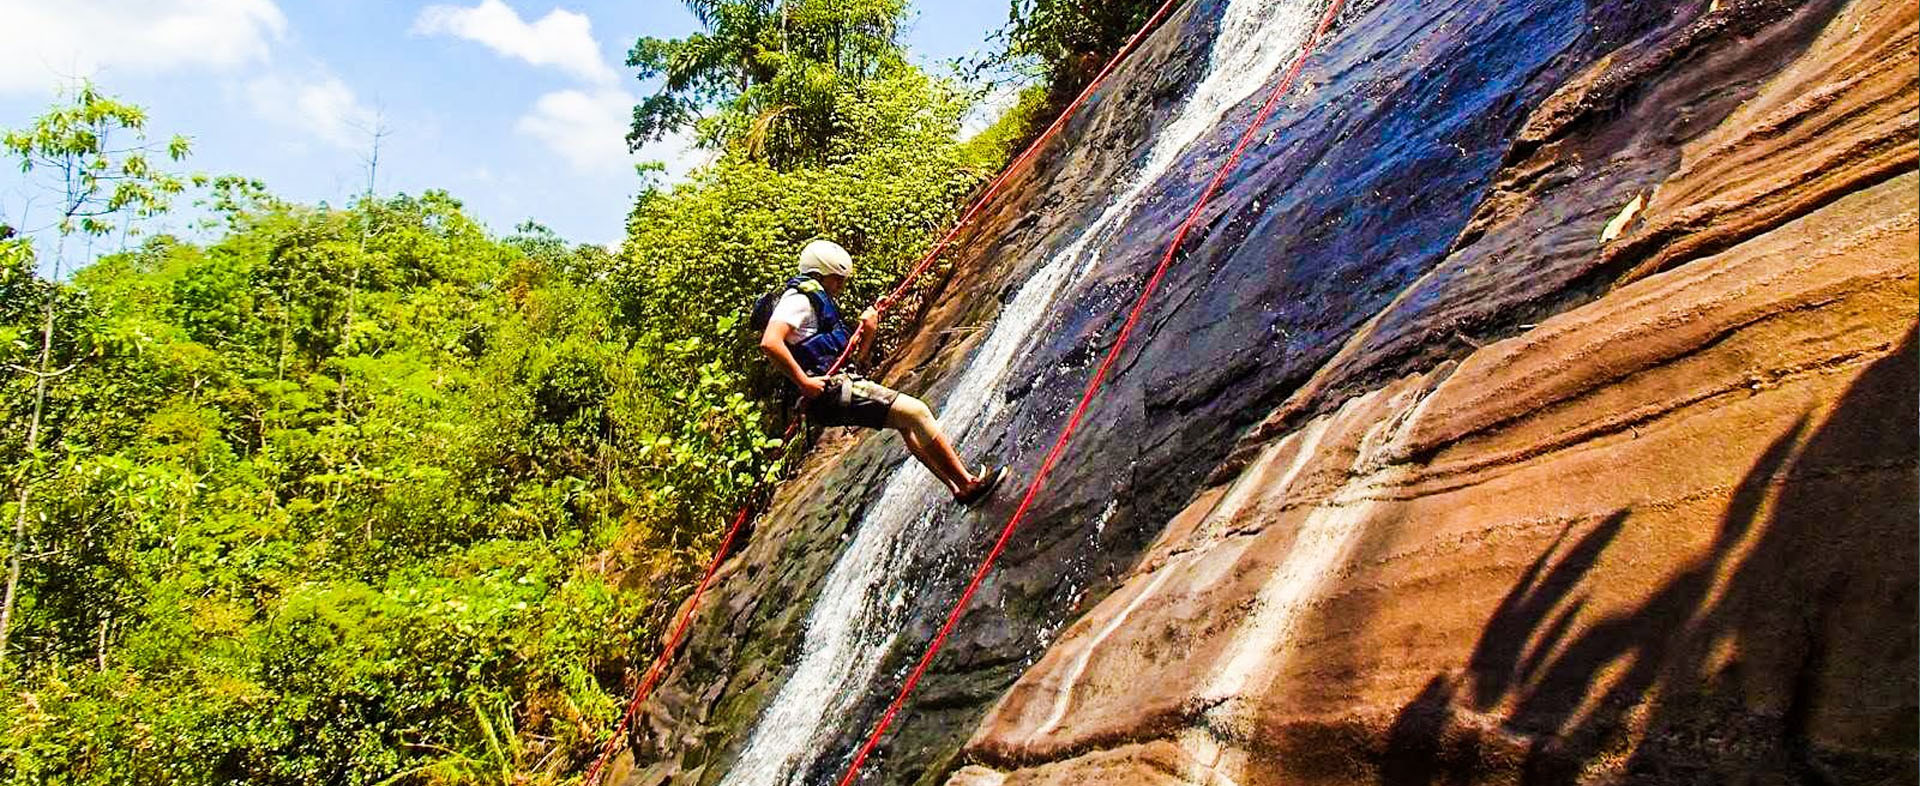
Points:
(659, 666)
(1093, 388)
(658, 670)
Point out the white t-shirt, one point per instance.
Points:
(796, 311)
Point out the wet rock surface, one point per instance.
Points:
(1613, 548)
(1538, 403)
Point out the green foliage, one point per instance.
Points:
(1002, 140)
(75, 154)
(270, 553)
(97, 177)
(1068, 41)
(22, 296)
(778, 71)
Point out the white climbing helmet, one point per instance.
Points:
(826, 258)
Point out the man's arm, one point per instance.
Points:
(773, 342)
(863, 339)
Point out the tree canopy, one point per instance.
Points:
(768, 77)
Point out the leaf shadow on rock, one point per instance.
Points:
(1785, 653)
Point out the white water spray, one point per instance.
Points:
(852, 624)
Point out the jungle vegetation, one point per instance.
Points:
(367, 494)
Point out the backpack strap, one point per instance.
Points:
(824, 309)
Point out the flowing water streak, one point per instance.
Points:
(852, 624)
(1257, 651)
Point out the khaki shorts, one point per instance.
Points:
(850, 400)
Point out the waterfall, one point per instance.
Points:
(865, 595)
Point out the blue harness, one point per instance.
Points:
(817, 353)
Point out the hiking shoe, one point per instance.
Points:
(982, 488)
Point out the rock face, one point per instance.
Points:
(1538, 404)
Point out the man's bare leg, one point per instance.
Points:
(928, 443)
(917, 445)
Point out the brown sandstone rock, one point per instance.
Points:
(1668, 536)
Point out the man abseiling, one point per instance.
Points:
(806, 332)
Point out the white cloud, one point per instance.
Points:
(45, 41)
(42, 41)
(588, 128)
(587, 125)
(562, 39)
(319, 104)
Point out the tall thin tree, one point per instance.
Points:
(377, 135)
(90, 153)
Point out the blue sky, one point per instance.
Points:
(517, 107)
